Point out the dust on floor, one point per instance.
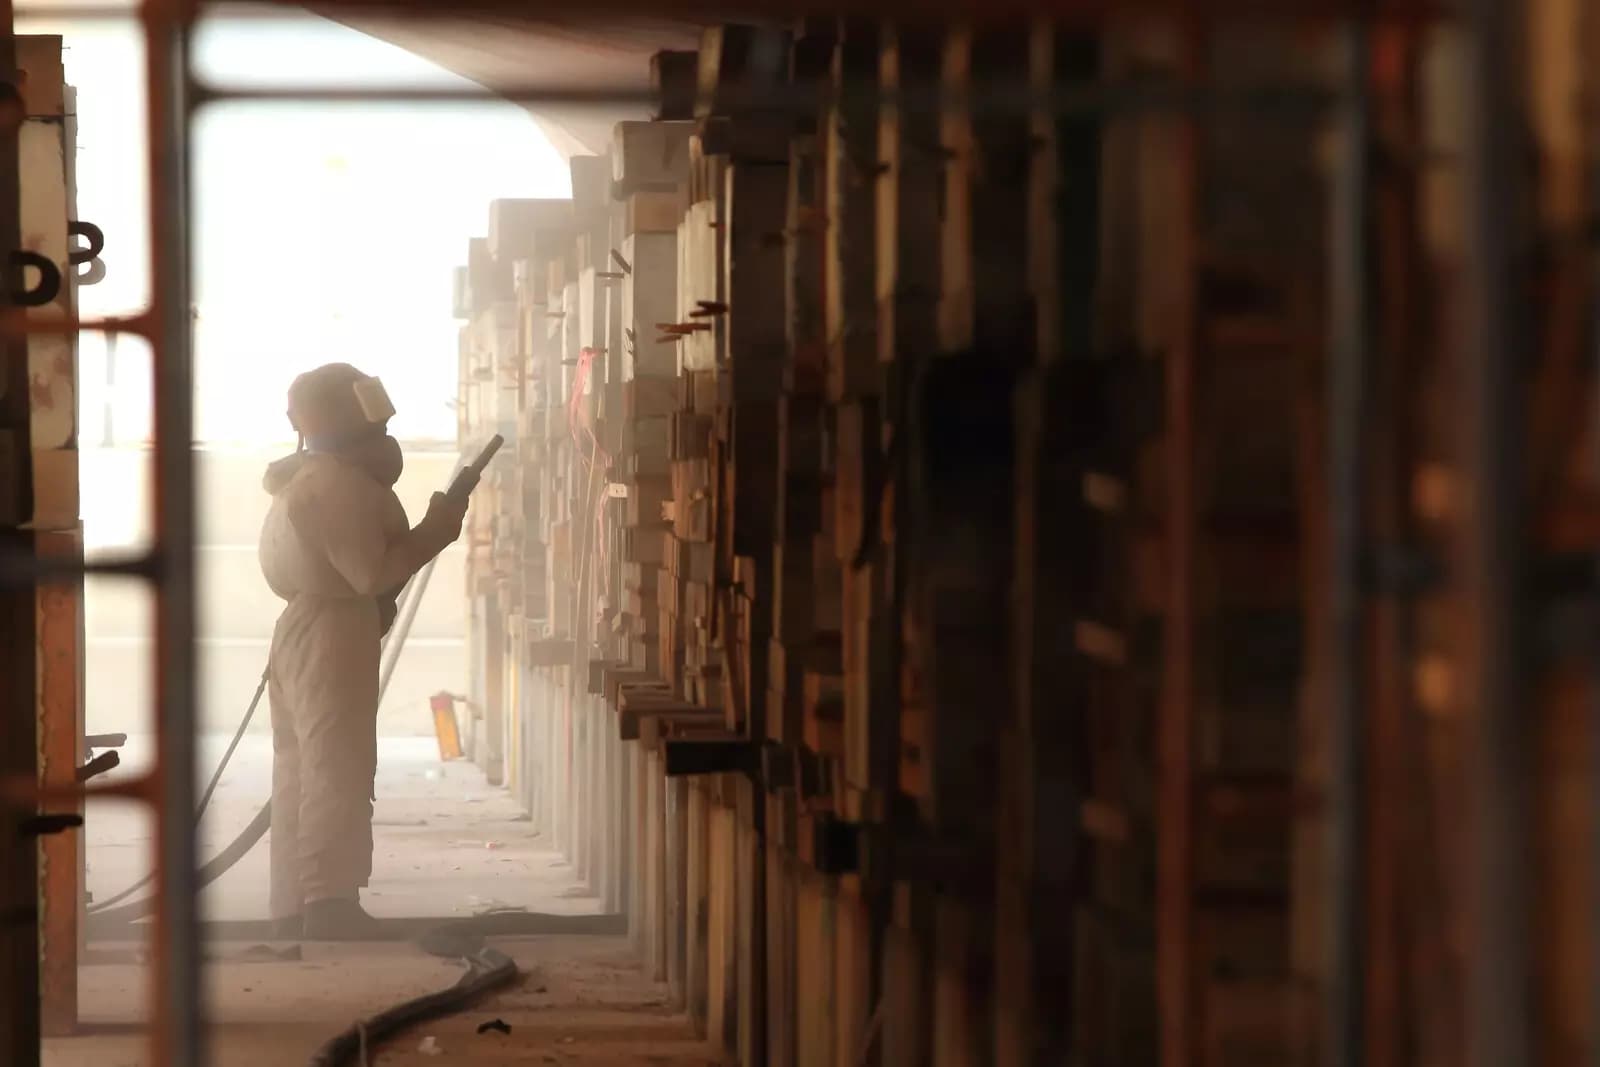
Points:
(579, 1000)
(447, 845)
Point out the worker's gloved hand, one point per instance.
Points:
(446, 511)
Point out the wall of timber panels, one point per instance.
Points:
(914, 556)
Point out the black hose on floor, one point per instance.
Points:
(487, 970)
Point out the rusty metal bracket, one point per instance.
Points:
(44, 825)
(692, 756)
(778, 768)
(102, 763)
(22, 568)
(835, 845)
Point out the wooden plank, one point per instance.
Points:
(649, 156)
(674, 81)
(698, 904)
(804, 294)
(649, 297)
(755, 259)
(782, 990)
(814, 969)
(908, 985)
(60, 745)
(621, 775)
(908, 197)
(984, 287)
(722, 953)
(961, 1036)
(1175, 724)
(854, 979)
(751, 933)
(850, 136)
(655, 868)
(677, 844)
(598, 798)
(578, 783)
(638, 907)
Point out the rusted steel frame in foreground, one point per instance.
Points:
(177, 1010)
(981, 12)
(1081, 12)
(19, 919)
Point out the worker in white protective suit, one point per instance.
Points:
(337, 547)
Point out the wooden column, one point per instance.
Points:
(45, 150)
(61, 732)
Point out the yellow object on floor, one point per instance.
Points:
(444, 726)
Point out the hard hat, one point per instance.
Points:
(336, 404)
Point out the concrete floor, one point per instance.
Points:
(447, 845)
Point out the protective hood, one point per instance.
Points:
(336, 406)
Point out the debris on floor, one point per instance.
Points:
(265, 954)
(497, 1025)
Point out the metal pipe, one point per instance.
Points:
(1349, 373)
(178, 1010)
(1492, 533)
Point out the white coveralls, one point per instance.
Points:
(327, 548)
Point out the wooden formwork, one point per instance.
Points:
(936, 502)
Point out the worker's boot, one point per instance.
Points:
(289, 928)
(341, 920)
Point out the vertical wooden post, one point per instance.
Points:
(61, 731)
(697, 907)
(47, 197)
(1065, 436)
(908, 269)
(1492, 536)
(1175, 739)
(678, 925)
